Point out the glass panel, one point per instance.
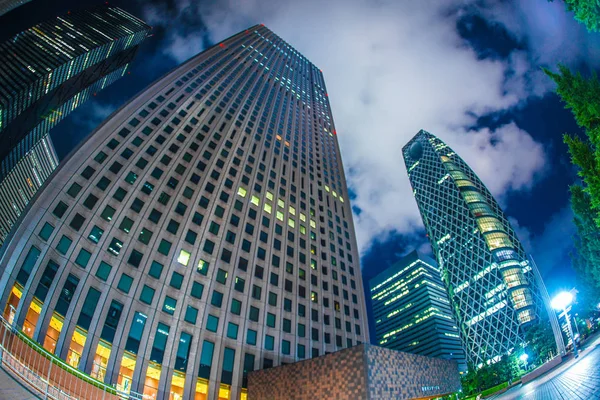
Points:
(151, 381)
(54, 329)
(101, 360)
(224, 392)
(472, 197)
(497, 240)
(201, 389)
(76, 347)
(489, 224)
(206, 359)
(129, 359)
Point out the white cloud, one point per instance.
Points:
(391, 69)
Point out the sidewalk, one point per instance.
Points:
(575, 378)
(10, 389)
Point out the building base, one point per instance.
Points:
(360, 372)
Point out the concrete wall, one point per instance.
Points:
(541, 370)
(361, 372)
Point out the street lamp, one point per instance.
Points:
(560, 302)
(524, 357)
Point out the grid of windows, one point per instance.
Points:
(239, 201)
(412, 312)
(95, 47)
(495, 290)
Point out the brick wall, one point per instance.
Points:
(361, 372)
(396, 375)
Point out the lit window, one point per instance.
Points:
(203, 266)
(242, 192)
(184, 257)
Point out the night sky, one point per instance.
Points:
(467, 71)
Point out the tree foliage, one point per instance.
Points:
(587, 12)
(541, 345)
(582, 96)
(586, 260)
(508, 368)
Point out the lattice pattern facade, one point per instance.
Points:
(492, 285)
(201, 232)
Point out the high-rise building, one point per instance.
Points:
(7, 5)
(21, 184)
(412, 312)
(49, 70)
(202, 231)
(495, 290)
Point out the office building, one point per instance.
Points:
(49, 70)
(412, 312)
(7, 5)
(495, 290)
(21, 184)
(202, 231)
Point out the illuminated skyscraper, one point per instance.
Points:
(7, 5)
(412, 312)
(201, 232)
(495, 290)
(45, 73)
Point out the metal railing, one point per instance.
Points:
(47, 375)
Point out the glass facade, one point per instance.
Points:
(45, 73)
(206, 220)
(495, 290)
(412, 312)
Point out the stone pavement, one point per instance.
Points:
(578, 381)
(10, 389)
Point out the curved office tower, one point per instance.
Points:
(495, 290)
(201, 232)
(46, 72)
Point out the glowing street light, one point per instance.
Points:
(560, 302)
(524, 357)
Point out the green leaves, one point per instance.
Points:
(587, 12)
(582, 96)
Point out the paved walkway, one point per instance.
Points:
(10, 389)
(577, 380)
